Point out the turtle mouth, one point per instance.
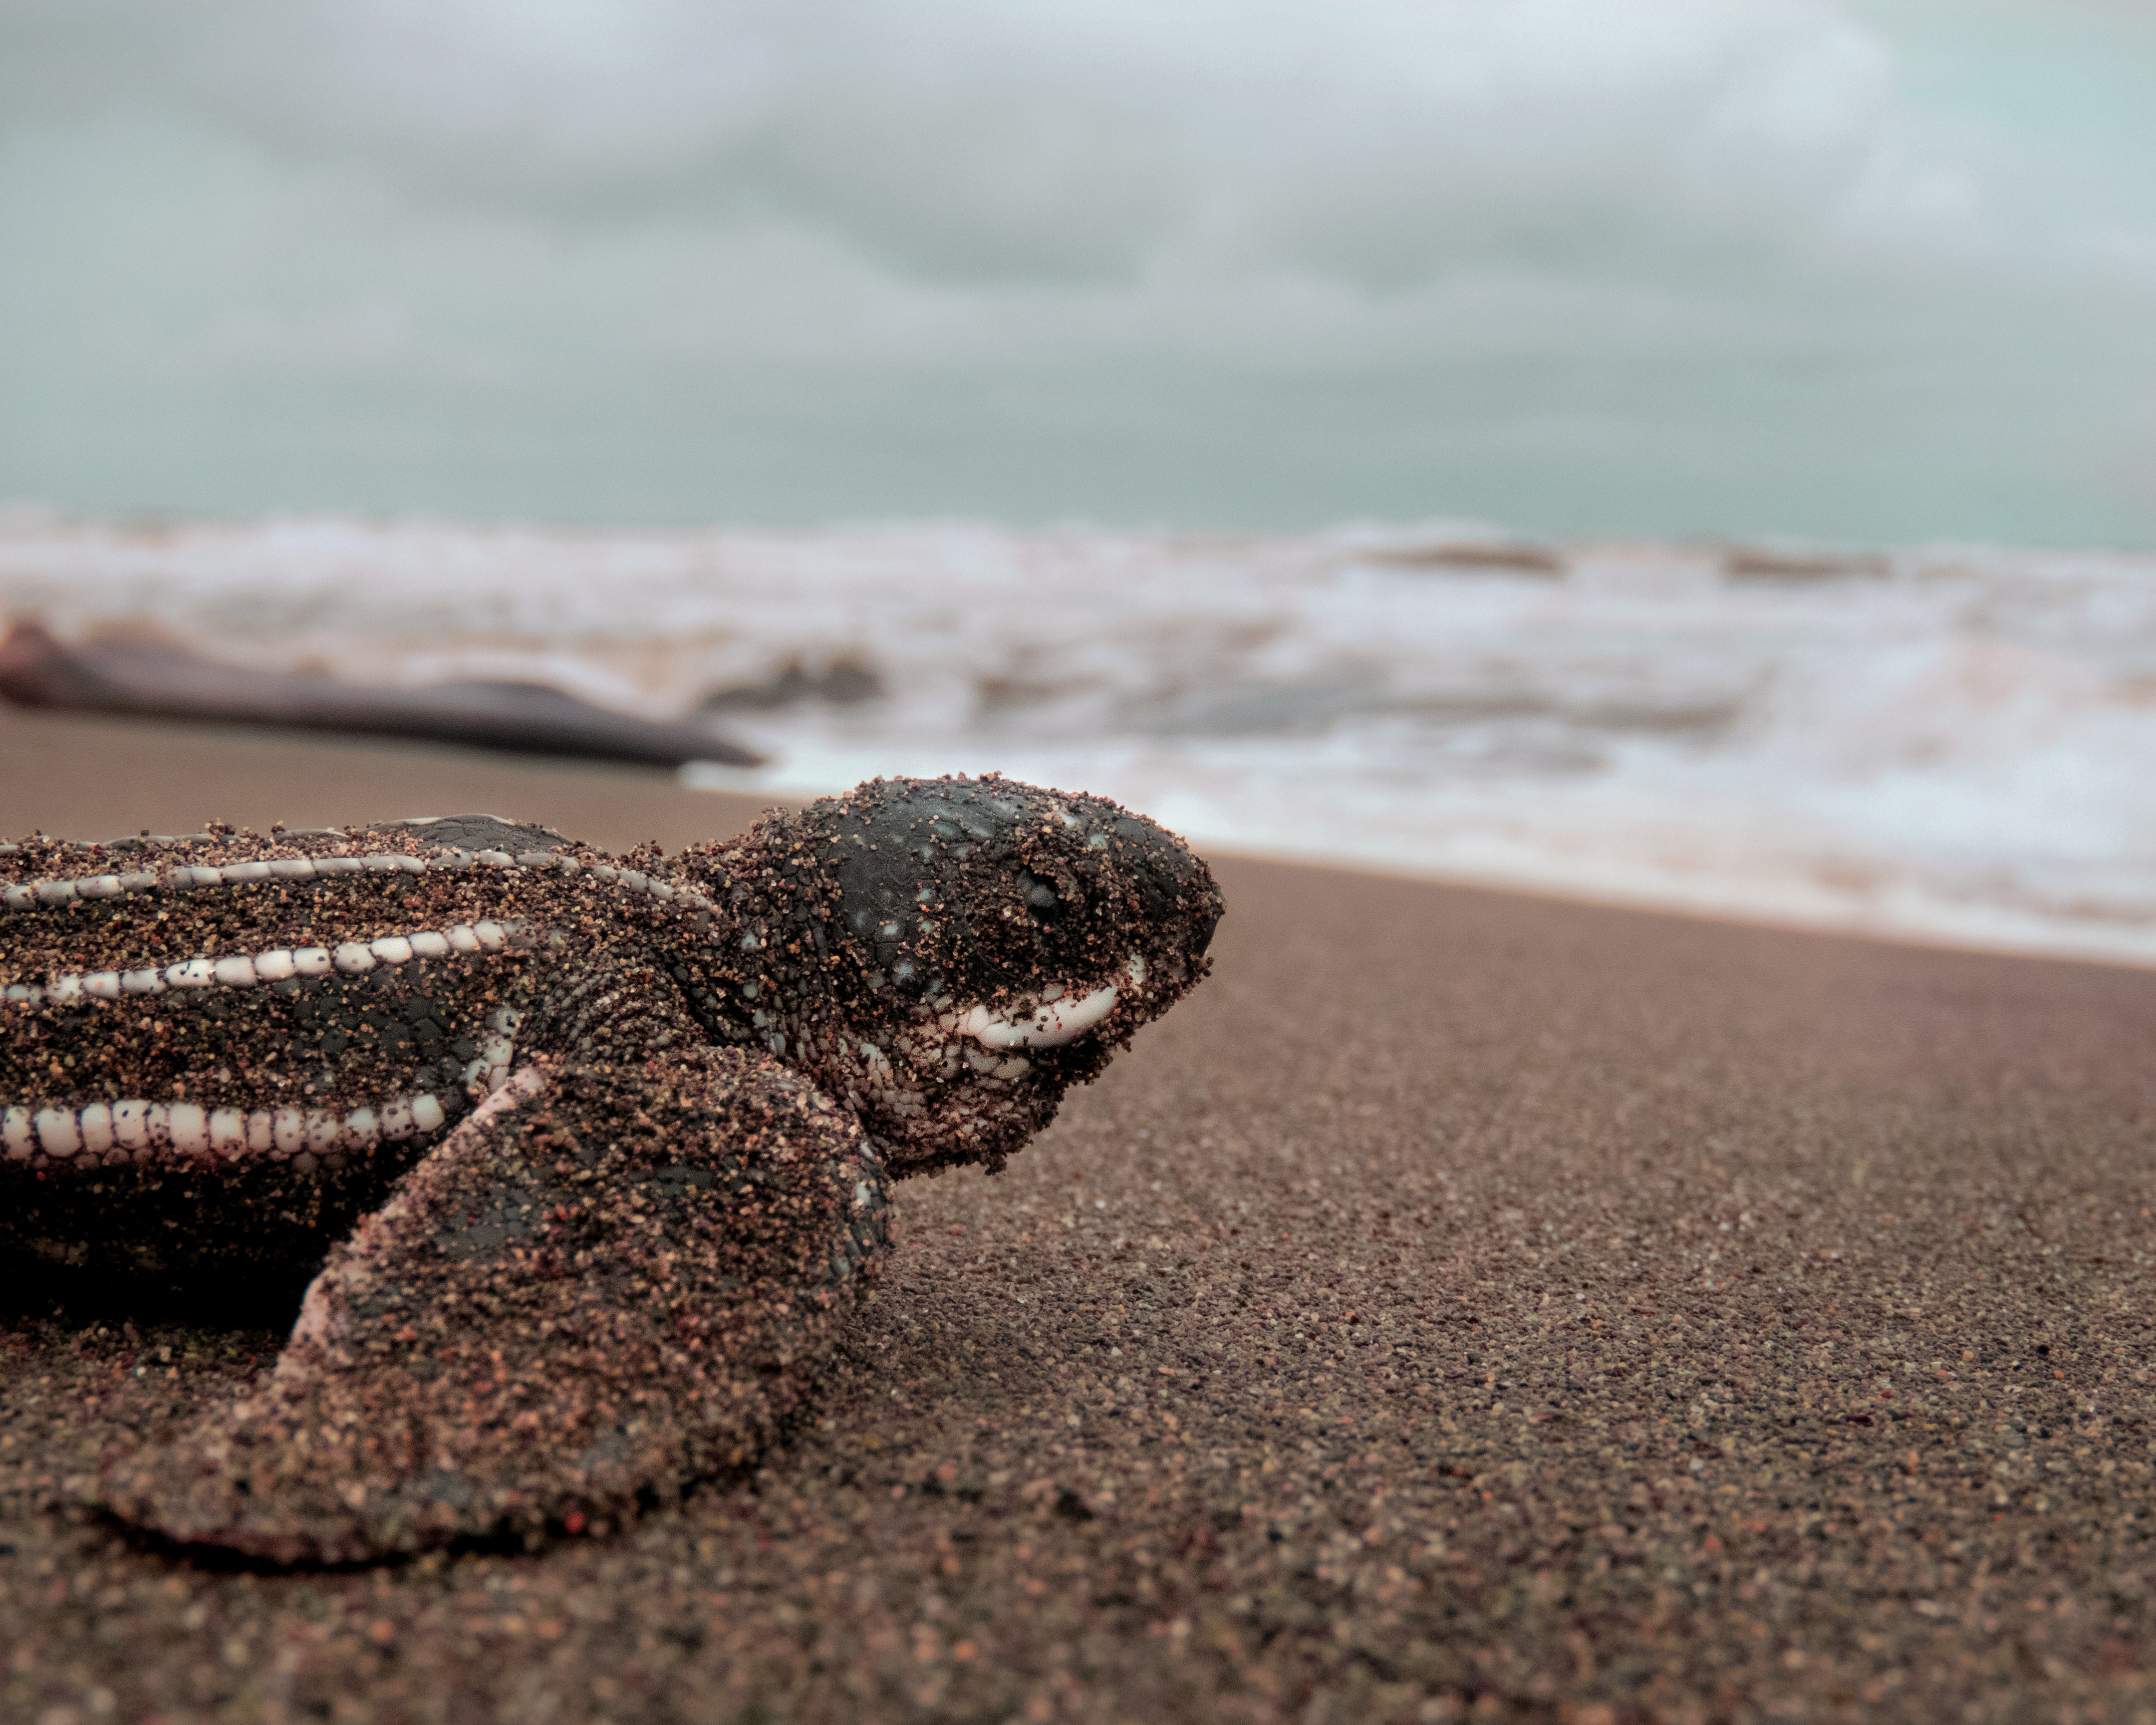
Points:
(970, 1079)
(1055, 1016)
(984, 1045)
(1061, 1018)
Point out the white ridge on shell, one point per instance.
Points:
(131, 1128)
(245, 970)
(58, 1135)
(185, 877)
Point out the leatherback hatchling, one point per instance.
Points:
(597, 1147)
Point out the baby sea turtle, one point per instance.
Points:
(598, 1148)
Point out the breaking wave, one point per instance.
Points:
(1949, 745)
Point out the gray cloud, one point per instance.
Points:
(1681, 251)
(1382, 142)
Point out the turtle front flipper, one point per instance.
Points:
(609, 1282)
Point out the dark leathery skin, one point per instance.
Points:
(869, 908)
(611, 1287)
(643, 1104)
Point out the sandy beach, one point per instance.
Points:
(1465, 1306)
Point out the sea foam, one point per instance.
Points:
(1944, 744)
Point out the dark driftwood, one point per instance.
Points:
(153, 678)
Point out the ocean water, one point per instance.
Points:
(1949, 744)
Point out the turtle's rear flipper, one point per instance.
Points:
(606, 1284)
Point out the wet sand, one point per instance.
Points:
(1465, 1306)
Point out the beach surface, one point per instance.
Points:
(1465, 1306)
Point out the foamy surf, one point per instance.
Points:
(1946, 745)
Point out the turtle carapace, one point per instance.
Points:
(587, 1155)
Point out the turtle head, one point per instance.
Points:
(947, 956)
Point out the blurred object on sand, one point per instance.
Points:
(143, 675)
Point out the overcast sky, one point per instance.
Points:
(1864, 272)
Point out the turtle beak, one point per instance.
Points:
(1055, 1024)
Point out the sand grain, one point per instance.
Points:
(1462, 1307)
